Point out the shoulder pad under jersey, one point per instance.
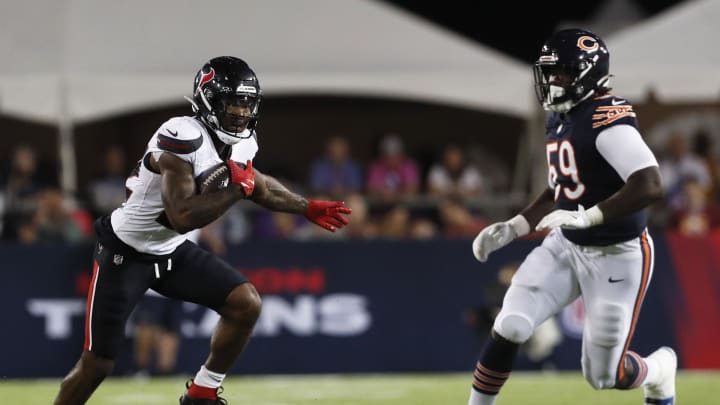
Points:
(180, 135)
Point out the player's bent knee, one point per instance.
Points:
(243, 304)
(607, 324)
(515, 327)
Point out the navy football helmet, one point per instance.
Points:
(226, 98)
(573, 65)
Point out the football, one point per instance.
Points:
(214, 179)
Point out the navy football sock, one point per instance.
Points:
(494, 364)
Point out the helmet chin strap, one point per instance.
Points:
(223, 136)
(229, 139)
(226, 138)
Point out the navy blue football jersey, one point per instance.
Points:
(580, 175)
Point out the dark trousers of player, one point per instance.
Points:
(121, 276)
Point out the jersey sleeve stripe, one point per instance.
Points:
(605, 115)
(178, 146)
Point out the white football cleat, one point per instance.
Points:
(663, 393)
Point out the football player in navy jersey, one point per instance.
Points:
(144, 243)
(601, 176)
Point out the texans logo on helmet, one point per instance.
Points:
(206, 77)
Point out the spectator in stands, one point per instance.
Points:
(697, 214)
(108, 191)
(423, 229)
(362, 226)
(400, 222)
(20, 187)
(54, 222)
(454, 176)
(680, 164)
(395, 224)
(336, 174)
(394, 175)
(457, 221)
(704, 148)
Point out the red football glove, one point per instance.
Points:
(327, 214)
(243, 177)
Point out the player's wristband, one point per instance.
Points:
(595, 215)
(520, 225)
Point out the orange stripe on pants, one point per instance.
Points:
(647, 259)
(88, 309)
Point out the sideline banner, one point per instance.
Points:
(328, 307)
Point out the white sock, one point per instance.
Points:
(478, 398)
(653, 372)
(207, 378)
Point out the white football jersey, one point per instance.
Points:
(139, 221)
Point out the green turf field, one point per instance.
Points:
(380, 389)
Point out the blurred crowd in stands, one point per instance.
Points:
(393, 196)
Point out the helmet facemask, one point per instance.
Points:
(231, 115)
(560, 88)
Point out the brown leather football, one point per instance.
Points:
(213, 179)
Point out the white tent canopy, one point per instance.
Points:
(80, 60)
(674, 54)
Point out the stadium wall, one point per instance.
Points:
(365, 306)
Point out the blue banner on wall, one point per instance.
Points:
(328, 307)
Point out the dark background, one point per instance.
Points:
(518, 28)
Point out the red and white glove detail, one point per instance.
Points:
(243, 177)
(327, 214)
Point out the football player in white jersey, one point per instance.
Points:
(597, 160)
(143, 244)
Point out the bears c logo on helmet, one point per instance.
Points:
(587, 44)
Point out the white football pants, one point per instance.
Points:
(612, 281)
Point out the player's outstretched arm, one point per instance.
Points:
(271, 194)
(185, 209)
